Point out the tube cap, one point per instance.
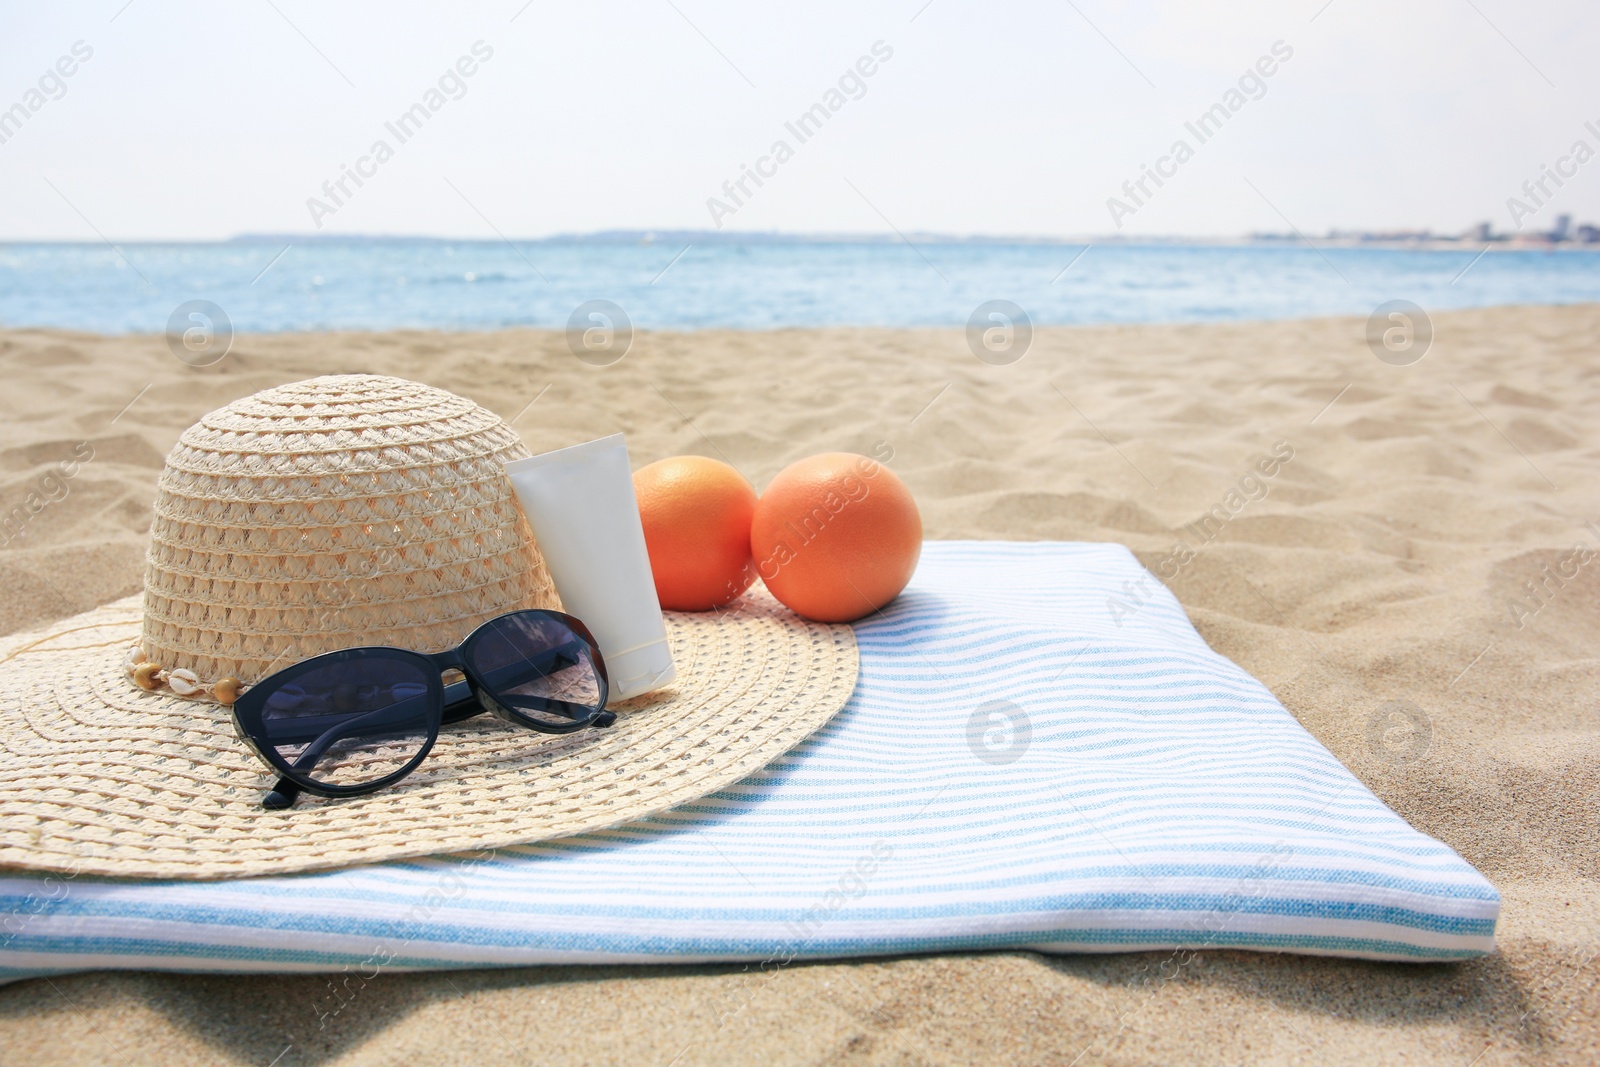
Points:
(640, 670)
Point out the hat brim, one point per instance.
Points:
(98, 777)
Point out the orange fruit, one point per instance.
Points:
(836, 536)
(696, 515)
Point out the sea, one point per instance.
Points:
(694, 281)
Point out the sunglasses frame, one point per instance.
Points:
(451, 703)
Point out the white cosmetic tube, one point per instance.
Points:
(583, 511)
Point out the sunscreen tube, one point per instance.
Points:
(584, 514)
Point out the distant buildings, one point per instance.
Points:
(1562, 233)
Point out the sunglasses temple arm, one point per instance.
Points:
(283, 795)
(460, 703)
(564, 708)
(286, 792)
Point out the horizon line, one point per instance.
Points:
(731, 237)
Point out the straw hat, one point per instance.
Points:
(347, 510)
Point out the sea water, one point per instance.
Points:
(686, 283)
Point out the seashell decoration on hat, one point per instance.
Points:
(351, 509)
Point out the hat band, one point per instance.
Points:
(181, 682)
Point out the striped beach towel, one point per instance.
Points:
(1041, 753)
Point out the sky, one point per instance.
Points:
(203, 121)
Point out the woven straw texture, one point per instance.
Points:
(344, 510)
(358, 510)
(100, 777)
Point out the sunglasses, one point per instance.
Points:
(354, 721)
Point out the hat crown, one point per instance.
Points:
(350, 509)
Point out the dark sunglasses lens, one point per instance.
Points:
(538, 668)
(351, 722)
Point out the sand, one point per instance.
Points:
(1378, 569)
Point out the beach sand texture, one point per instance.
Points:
(1379, 568)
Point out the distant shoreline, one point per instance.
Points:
(1430, 243)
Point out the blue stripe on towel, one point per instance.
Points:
(1164, 800)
